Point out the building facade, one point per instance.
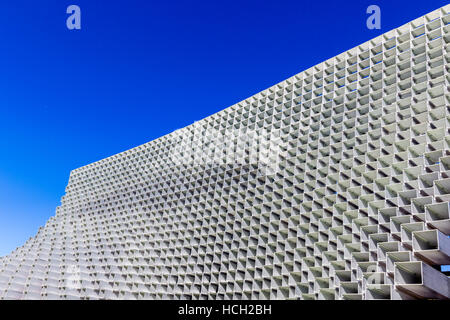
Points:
(333, 184)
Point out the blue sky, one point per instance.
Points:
(140, 69)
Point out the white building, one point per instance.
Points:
(333, 184)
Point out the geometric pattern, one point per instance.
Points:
(333, 184)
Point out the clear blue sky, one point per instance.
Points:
(140, 69)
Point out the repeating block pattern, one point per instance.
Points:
(333, 184)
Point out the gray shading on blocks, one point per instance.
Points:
(333, 184)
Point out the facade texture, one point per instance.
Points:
(333, 184)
